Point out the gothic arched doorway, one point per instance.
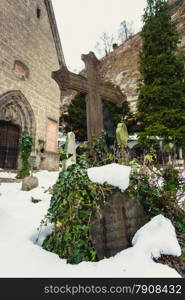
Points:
(9, 145)
(16, 118)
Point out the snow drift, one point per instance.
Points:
(157, 237)
(21, 257)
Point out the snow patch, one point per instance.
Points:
(21, 257)
(8, 175)
(157, 237)
(113, 174)
(40, 234)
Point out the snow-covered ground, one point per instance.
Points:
(20, 256)
(7, 175)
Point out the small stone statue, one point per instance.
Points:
(122, 139)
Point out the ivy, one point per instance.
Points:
(75, 201)
(25, 145)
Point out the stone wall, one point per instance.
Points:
(27, 58)
(121, 65)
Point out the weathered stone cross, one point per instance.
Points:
(95, 91)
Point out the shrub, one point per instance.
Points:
(161, 101)
(159, 191)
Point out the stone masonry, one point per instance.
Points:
(29, 51)
(121, 65)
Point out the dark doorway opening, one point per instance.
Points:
(9, 145)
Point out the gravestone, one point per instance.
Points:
(29, 183)
(70, 150)
(122, 135)
(95, 92)
(119, 220)
(121, 217)
(122, 140)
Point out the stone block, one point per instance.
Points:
(29, 183)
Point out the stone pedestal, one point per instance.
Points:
(29, 183)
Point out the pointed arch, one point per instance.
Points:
(15, 108)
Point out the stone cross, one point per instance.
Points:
(95, 92)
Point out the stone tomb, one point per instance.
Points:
(121, 217)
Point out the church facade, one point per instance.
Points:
(30, 50)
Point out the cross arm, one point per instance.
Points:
(68, 80)
(111, 94)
